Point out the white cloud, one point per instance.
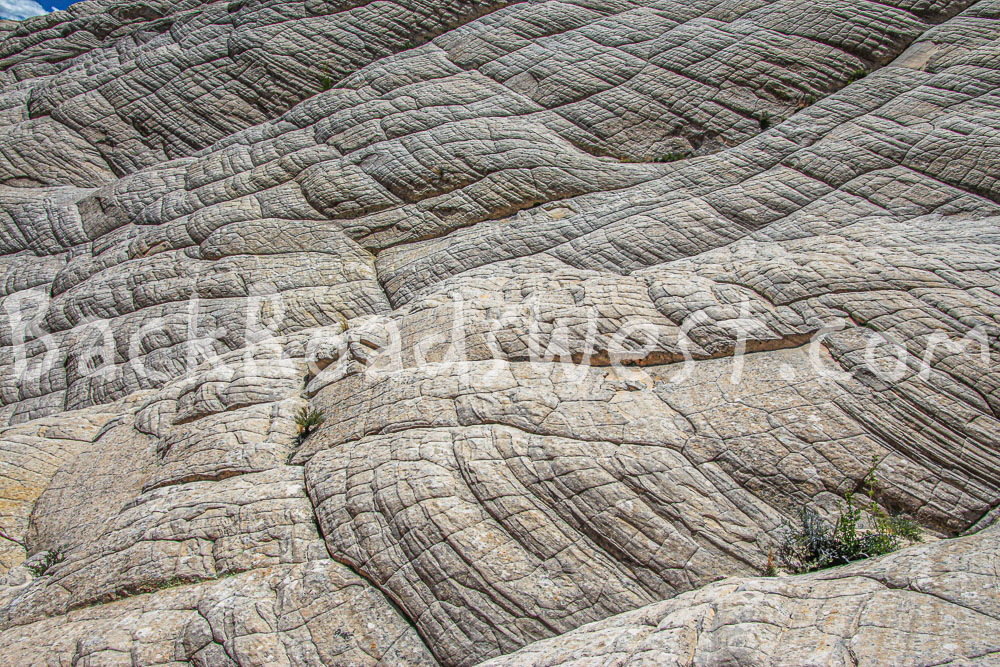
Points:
(19, 9)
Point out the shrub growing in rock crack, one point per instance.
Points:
(674, 156)
(307, 419)
(48, 560)
(860, 532)
(857, 74)
(325, 82)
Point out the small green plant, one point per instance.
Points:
(674, 156)
(48, 560)
(307, 419)
(764, 120)
(325, 82)
(904, 527)
(859, 533)
(173, 582)
(857, 75)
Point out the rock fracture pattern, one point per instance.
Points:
(460, 332)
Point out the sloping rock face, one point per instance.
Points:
(592, 298)
(863, 613)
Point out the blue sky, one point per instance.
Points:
(21, 9)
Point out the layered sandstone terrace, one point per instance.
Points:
(592, 298)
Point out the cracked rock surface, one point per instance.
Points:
(591, 297)
(851, 615)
